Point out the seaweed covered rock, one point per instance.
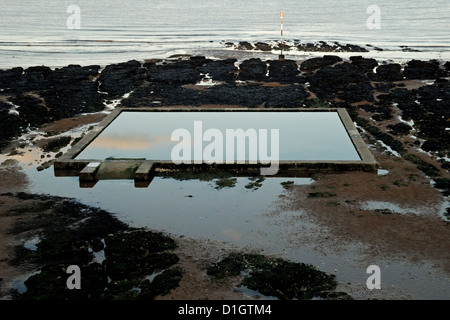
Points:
(121, 78)
(317, 63)
(73, 91)
(323, 46)
(423, 70)
(276, 277)
(247, 95)
(59, 244)
(31, 110)
(51, 284)
(255, 95)
(44, 95)
(244, 45)
(429, 107)
(70, 233)
(253, 69)
(399, 129)
(12, 124)
(178, 72)
(285, 71)
(220, 70)
(443, 184)
(138, 252)
(365, 64)
(344, 81)
(389, 72)
(262, 46)
(12, 81)
(35, 79)
(56, 144)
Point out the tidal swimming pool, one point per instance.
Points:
(221, 136)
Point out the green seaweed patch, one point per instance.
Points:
(256, 183)
(447, 212)
(316, 103)
(194, 175)
(130, 257)
(325, 194)
(427, 168)
(287, 185)
(133, 254)
(50, 284)
(53, 214)
(62, 247)
(443, 184)
(56, 144)
(380, 135)
(66, 229)
(76, 140)
(222, 179)
(69, 233)
(335, 295)
(275, 277)
(225, 183)
(145, 289)
(162, 284)
(332, 204)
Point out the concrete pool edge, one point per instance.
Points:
(143, 169)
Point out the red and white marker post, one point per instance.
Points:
(281, 57)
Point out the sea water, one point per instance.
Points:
(57, 33)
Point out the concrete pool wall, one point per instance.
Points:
(142, 169)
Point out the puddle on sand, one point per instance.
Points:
(19, 283)
(389, 207)
(31, 244)
(214, 209)
(382, 205)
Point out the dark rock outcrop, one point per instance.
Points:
(221, 70)
(320, 46)
(323, 46)
(389, 72)
(317, 63)
(285, 71)
(41, 95)
(247, 95)
(365, 64)
(244, 45)
(429, 108)
(399, 129)
(344, 81)
(179, 72)
(262, 46)
(423, 70)
(121, 78)
(253, 69)
(12, 125)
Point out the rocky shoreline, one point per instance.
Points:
(320, 46)
(404, 108)
(299, 46)
(418, 91)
